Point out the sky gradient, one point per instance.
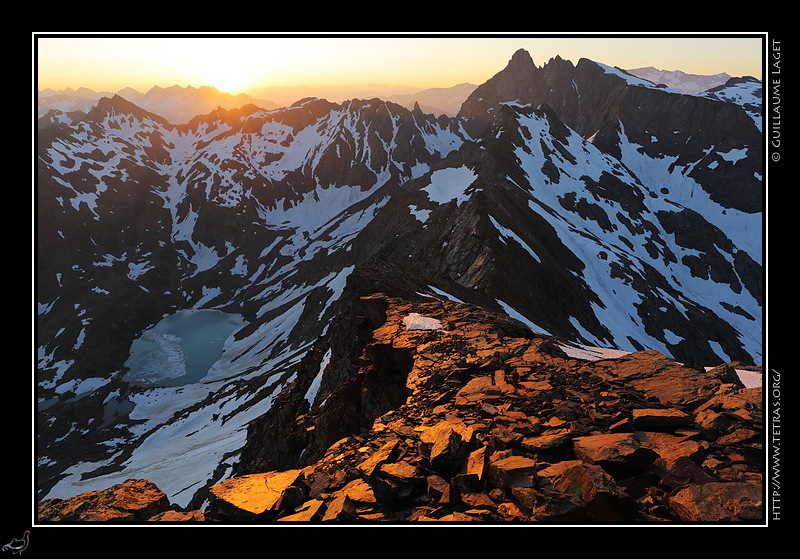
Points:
(258, 64)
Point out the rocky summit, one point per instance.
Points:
(446, 412)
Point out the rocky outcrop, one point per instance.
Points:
(135, 500)
(499, 425)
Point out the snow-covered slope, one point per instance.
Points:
(250, 212)
(746, 92)
(574, 242)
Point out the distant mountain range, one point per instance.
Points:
(437, 100)
(176, 104)
(680, 81)
(180, 104)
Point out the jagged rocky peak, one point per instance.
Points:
(619, 112)
(583, 95)
(235, 117)
(511, 83)
(520, 70)
(520, 61)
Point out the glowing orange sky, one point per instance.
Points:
(250, 64)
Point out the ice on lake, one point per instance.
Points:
(182, 348)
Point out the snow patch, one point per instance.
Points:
(445, 294)
(416, 321)
(450, 184)
(513, 313)
(421, 215)
(506, 233)
(589, 353)
(80, 387)
(751, 379)
(311, 393)
(671, 337)
(734, 155)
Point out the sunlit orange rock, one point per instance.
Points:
(251, 495)
(132, 501)
(719, 501)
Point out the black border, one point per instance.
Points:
(184, 537)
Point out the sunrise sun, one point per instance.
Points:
(229, 80)
(229, 75)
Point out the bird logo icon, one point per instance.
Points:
(18, 545)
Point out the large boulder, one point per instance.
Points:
(604, 499)
(620, 454)
(134, 500)
(719, 502)
(247, 497)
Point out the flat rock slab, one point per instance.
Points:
(178, 516)
(309, 511)
(659, 377)
(719, 501)
(549, 439)
(649, 418)
(359, 490)
(377, 458)
(513, 471)
(254, 493)
(447, 442)
(606, 501)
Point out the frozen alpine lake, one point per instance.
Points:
(182, 348)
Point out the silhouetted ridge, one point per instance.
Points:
(110, 106)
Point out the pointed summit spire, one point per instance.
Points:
(521, 59)
(512, 83)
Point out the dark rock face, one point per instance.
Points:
(353, 396)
